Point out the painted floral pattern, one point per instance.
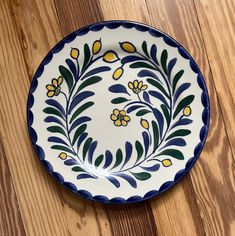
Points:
(162, 133)
(120, 118)
(54, 88)
(137, 86)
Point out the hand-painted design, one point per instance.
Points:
(63, 156)
(165, 127)
(74, 53)
(137, 86)
(187, 111)
(128, 47)
(144, 123)
(110, 56)
(120, 118)
(183, 121)
(70, 123)
(118, 73)
(96, 47)
(54, 87)
(159, 134)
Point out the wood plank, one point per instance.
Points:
(210, 177)
(217, 23)
(37, 39)
(167, 207)
(76, 14)
(202, 203)
(40, 35)
(83, 13)
(10, 217)
(84, 216)
(135, 219)
(39, 204)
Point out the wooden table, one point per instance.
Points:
(32, 203)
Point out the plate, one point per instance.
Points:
(118, 112)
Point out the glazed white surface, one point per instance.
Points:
(101, 128)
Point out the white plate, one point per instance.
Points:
(118, 112)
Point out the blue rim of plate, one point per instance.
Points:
(155, 33)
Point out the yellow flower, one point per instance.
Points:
(166, 162)
(110, 56)
(144, 123)
(63, 155)
(74, 53)
(96, 46)
(137, 86)
(117, 73)
(120, 118)
(128, 47)
(54, 87)
(187, 111)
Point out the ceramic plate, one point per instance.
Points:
(118, 112)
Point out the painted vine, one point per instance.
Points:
(164, 131)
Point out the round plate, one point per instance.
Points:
(118, 112)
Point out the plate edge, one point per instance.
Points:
(113, 24)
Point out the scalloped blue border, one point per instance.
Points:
(156, 33)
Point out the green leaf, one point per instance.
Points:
(155, 135)
(173, 153)
(119, 158)
(145, 49)
(142, 112)
(142, 65)
(139, 150)
(78, 132)
(166, 114)
(56, 129)
(62, 148)
(53, 111)
(80, 110)
(87, 55)
(86, 147)
(179, 133)
(119, 100)
(176, 79)
(182, 104)
(88, 82)
(164, 57)
(98, 160)
(141, 175)
(67, 76)
(78, 169)
(159, 86)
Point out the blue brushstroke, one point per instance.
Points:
(118, 88)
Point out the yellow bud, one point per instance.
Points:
(74, 53)
(63, 155)
(187, 111)
(144, 123)
(166, 162)
(128, 47)
(117, 73)
(96, 46)
(110, 57)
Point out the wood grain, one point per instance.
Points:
(40, 207)
(34, 204)
(10, 217)
(76, 14)
(179, 22)
(77, 213)
(92, 13)
(136, 219)
(219, 39)
(180, 203)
